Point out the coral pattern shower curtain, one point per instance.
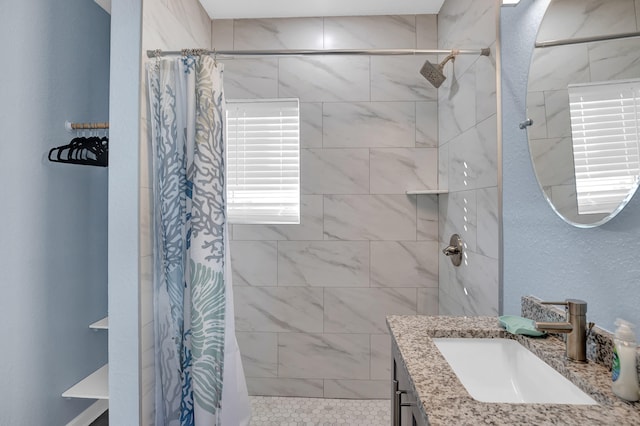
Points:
(199, 377)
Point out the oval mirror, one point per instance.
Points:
(583, 97)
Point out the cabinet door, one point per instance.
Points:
(407, 398)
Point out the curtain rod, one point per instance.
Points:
(567, 41)
(85, 126)
(302, 52)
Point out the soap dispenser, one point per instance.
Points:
(623, 371)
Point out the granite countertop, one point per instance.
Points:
(444, 399)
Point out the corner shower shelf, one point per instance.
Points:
(426, 191)
(94, 386)
(102, 324)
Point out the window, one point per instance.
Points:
(604, 128)
(263, 161)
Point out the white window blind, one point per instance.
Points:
(263, 161)
(604, 129)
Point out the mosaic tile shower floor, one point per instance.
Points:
(281, 411)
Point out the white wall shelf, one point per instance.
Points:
(89, 415)
(426, 191)
(105, 4)
(102, 324)
(94, 386)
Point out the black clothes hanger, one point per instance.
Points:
(91, 151)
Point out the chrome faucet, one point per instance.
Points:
(575, 328)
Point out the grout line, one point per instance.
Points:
(277, 263)
(277, 355)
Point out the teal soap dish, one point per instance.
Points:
(519, 325)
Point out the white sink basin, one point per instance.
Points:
(502, 370)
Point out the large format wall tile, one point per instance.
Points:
(325, 78)
(278, 309)
(355, 32)
(251, 78)
(327, 356)
(466, 24)
(427, 124)
(370, 124)
(404, 264)
(310, 227)
(259, 353)
(443, 166)
(573, 60)
(458, 216)
(380, 357)
(467, 161)
(222, 34)
(558, 115)
(486, 96)
(363, 310)
(370, 217)
(254, 263)
(147, 364)
(536, 112)
(191, 13)
(597, 17)
(473, 287)
(369, 131)
(162, 29)
(146, 291)
(323, 263)
(306, 388)
(427, 217)
(551, 158)
(457, 108)
(426, 31)
(146, 221)
(357, 389)
(311, 125)
(488, 222)
(614, 60)
(449, 305)
(271, 34)
(398, 78)
(428, 301)
(473, 157)
(395, 170)
(335, 171)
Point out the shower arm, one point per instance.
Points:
(229, 54)
(452, 57)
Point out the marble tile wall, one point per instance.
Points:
(553, 68)
(596, 17)
(311, 299)
(467, 160)
(167, 25)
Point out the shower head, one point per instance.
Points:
(433, 73)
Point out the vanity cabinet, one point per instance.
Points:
(404, 409)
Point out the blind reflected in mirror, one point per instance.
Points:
(604, 132)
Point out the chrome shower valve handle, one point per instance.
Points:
(454, 250)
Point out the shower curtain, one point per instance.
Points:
(198, 371)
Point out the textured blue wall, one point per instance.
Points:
(544, 256)
(53, 226)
